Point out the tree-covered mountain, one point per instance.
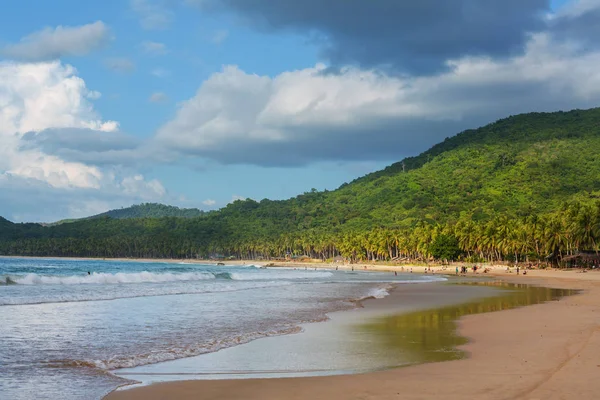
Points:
(144, 210)
(524, 186)
(151, 210)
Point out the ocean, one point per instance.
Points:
(66, 324)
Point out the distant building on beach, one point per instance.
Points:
(583, 259)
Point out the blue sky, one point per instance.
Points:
(218, 100)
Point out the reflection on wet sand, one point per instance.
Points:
(431, 336)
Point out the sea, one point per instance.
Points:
(66, 324)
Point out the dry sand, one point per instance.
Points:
(545, 351)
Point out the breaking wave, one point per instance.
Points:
(152, 277)
(173, 353)
(379, 293)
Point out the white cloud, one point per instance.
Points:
(220, 36)
(235, 198)
(157, 97)
(137, 185)
(49, 99)
(153, 14)
(575, 8)
(209, 202)
(314, 114)
(160, 72)
(119, 64)
(94, 95)
(154, 48)
(62, 41)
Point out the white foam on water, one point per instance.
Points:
(105, 278)
(174, 353)
(284, 275)
(378, 293)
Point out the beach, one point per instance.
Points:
(543, 351)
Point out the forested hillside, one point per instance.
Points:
(151, 210)
(144, 210)
(523, 187)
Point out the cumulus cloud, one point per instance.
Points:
(157, 97)
(86, 146)
(416, 36)
(153, 14)
(138, 186)
(209, 202)
(309, 115)
(45, 113)
(154, 48)
(119, 64)
(62, 41)
(160, 72)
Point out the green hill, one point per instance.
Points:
(151, 210)
(144, 210)
(521, 187)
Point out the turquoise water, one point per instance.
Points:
(67, 323)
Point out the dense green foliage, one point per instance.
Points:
(445, 247)
(144, 210)
(524, 187)
(151, 210)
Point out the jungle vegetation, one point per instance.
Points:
(526, 187)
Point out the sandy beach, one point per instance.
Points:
(545, 351)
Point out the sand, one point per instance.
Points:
(545, 351)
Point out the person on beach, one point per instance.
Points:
(457, 270)
(517, 270)
(395, 273)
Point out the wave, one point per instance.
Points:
(131, 293)
(271, 274)
(100, 278)
(174, 353)
(378, 293)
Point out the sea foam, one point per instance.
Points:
(106, 278)
(100, 278)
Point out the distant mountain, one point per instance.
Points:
(151, 210)
(144, 210)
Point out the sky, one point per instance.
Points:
(197, 103)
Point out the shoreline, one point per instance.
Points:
(362, 266)
(512, 354)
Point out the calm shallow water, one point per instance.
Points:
(417, 324)
(63, 329)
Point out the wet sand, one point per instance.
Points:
(352, 341)
(545, 351)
